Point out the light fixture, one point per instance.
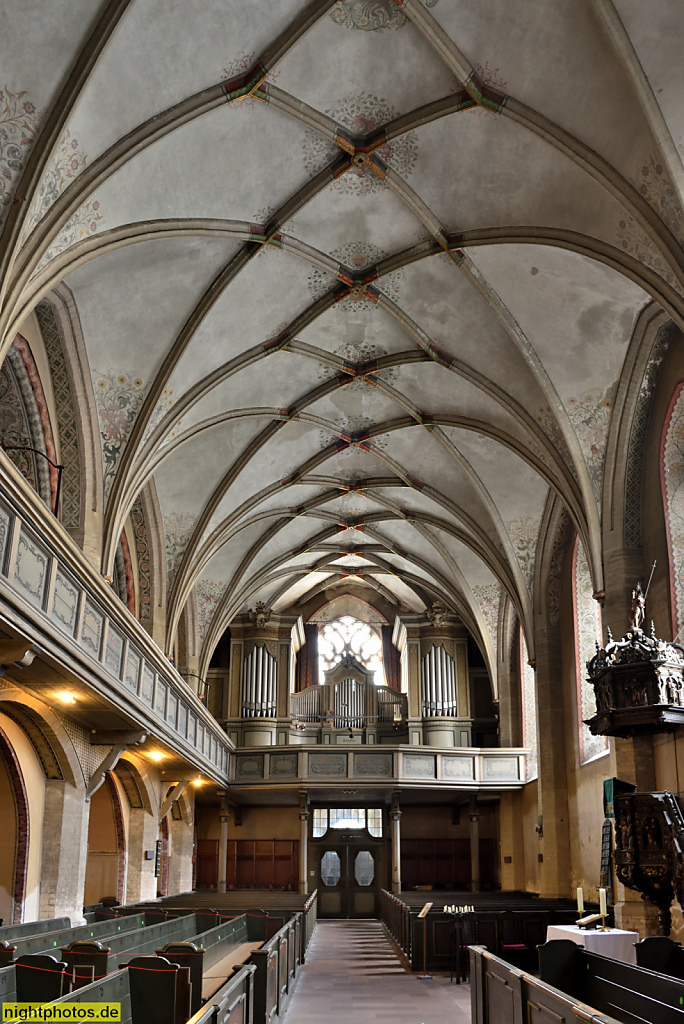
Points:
(66, 697)
(198, 782)
(156, 755)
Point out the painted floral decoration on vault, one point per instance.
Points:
(118, 397)
(361, 115)
(659, 191)
(18, 126)
(523, 532)
(488, 597)
(209, 594)
(371, 15)
(178, 527)
(357, 257)
(590, 416)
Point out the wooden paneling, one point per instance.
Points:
(444, 863)
(263, 864)
(207, 863)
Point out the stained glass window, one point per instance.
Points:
(348, 635)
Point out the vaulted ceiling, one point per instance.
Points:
(356, 279)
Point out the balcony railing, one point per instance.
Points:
(50, 593)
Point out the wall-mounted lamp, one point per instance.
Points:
(66, 697)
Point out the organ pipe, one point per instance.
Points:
(259, 684)
(439, 683)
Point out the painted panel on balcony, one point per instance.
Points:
(147, 686)
(114, 652)
(31, 569)
(500, 768)
(5, 530)
(457, 767)
(65, 603)
(172, 709)
(419, 766)
(283, 765)
(132, 670)
(160, 699)
(91, 630)
(374, 765)
(328, 764)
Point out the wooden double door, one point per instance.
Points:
(350, 870)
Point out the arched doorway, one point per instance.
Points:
(106, 864)
(14, 814)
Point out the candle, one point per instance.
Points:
(580, 900)
(603, 907)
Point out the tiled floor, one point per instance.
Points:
(353, 976)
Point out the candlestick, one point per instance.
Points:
(580, 900)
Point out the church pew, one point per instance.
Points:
(150, 990)
(18, 931)
(631, 994)
(233, 1003)
(277, 964)
(658, 953)
(513, 932)
(503, 994)
(45, 942)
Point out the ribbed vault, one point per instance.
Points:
(356, 279)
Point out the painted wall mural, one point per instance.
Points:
(588, 632)
(659, 191)
(523, 532)
(637, 437)
(528, 695)
(19, 121)
(178, 527)
(371, 15)
(590, 416)
(66, 417)
(672, 482)
(142, 550)
(489, 597)
(119, 397)
(361, 114)
(209, 594)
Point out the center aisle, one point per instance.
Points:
(353, 976)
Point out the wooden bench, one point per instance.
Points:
(511, 931)
(503, 994)
(629, 993)
(51, 941)
(658, 953)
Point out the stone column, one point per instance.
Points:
(474, 845)
(143, 831)
(303, 842)
(222, 846)
(395, 817)
(65, 850)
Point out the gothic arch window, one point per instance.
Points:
(348, 635)
(528, 700)
(672, 485)
(588, 632)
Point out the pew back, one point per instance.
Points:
(104, 931)
(632, 994)
(503, 994)
(17, 931)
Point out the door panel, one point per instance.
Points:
(350, 871)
